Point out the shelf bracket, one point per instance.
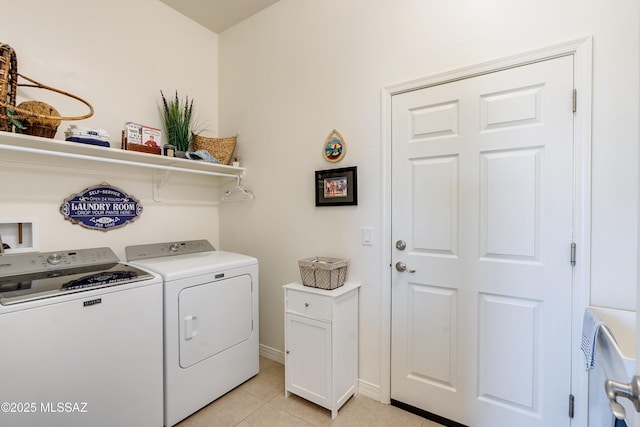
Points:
(158, 184)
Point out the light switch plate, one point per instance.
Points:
(367, 236)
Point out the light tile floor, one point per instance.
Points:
(261, 402)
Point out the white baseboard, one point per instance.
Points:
(272, 354)
(369, 390)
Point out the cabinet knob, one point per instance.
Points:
(287, 352)
(306, 304)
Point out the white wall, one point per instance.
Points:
(117, 55)
(292, 73)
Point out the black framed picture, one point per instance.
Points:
(337, 187)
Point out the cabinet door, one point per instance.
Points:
(308, 358)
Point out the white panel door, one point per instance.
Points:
(482, 194)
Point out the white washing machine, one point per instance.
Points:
(210, 321)
(80, 341)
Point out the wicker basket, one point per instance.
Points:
(8, 88)
(323, 272)
(8, 84)
(40, 124)
(220, 148)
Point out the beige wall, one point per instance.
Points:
(288, 76)
(117, 55)
(301, 68)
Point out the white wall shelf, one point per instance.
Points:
(72, 150)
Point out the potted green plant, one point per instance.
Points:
(178, 122)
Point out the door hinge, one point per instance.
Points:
(573, 253)
(575, 100)
(571, 405)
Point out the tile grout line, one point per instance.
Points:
(291, 413)
(264, 402)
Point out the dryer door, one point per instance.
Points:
(214, 317)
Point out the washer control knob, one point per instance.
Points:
(54, 259)
(174, 247)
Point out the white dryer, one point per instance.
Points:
(210, 321)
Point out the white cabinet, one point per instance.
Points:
(321, 344)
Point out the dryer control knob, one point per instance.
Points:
(174, 247)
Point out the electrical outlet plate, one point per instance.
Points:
(21, 234)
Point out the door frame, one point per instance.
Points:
(581, 49)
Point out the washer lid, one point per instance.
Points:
(46, 284)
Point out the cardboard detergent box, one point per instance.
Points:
(151, 137)
(137, 137)
(132, 134)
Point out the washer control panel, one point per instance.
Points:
(27, 263)
(158, 250)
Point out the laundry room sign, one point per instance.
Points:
(101, 207)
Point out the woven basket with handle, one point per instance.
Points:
(220, 148)
(8, 83)
(32, 113)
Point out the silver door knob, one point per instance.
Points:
(401, 245)
(616, 389)
(401, 267)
